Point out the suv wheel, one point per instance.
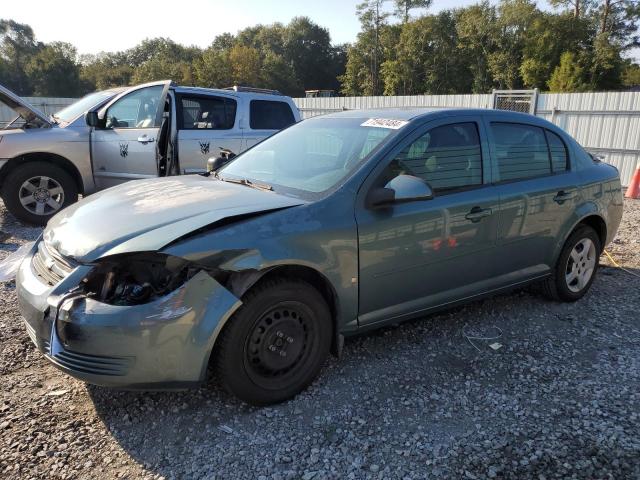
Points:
(275, 344)
(36, 191)
(576, 267)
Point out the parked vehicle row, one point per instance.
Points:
(336, 225)
(109, 137)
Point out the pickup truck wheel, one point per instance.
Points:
(275, 344)
(36, 191)
(576, 267)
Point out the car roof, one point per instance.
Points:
(413, 113)
(229, 92)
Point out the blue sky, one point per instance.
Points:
(112, 25)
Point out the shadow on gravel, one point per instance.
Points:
(420, 380)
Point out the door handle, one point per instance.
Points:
(144, 139)
(476, 214)
(562, 196)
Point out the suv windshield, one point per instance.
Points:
(312, 156)
(73, 111)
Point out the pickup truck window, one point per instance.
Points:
(136, 110)
(270, 115)
(521, 151)
(208, 113)
(447, 157)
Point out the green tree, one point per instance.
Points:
(427, 59)
(245, 65)
(213, 68)
(605, 64)
(17, 46)
(568, 76)
(548, 36)
(54, 71)
(105, 70)
(403, 7)
(578, 8)
(478, 38)
(373, 19)
(631, 75)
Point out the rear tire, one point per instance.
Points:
(576, 267)
(275, 344)
(36, 191)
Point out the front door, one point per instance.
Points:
(125, 149)
(206, 123)
(419, 255)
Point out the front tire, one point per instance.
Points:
(275, 344)
(36, 191)
(576, 267)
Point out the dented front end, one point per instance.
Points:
(144, 320)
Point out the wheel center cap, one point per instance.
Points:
(41, 195)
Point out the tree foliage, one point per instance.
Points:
(401, 49)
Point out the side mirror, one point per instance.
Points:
(91, 117)
(215, 164)
(403, 188)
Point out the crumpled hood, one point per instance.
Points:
(146, 215)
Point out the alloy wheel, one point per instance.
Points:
(580, 265)
(41, 195)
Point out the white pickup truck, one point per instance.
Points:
(108, 137)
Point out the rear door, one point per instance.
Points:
(538, 194)
(266, 117)
(421, 254)
(206, 123)
(125, 148)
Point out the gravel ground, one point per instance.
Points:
(559, 399)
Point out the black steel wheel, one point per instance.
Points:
(276, 343)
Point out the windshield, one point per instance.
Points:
(312, 156)
(73, 111)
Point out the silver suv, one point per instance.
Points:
(109, 137)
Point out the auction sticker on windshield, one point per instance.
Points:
(384, 123)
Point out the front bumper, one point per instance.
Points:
(159, 345)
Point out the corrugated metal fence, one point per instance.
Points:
(605, 123)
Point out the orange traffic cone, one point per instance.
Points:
(634, 187)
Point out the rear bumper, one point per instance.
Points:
(160, 345)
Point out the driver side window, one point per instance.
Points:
(447, 158)
(138, 109)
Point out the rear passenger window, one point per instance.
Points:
(558, 152)
(521, 151)
(208, 113)
(447, 157)
(269, 115)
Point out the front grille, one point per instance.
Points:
(93, 364)
(50, 267)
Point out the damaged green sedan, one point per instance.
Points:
(336, 225)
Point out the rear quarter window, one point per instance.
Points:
(270, 115)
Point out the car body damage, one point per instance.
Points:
(167, 339)
(149, 214)
(325, 229)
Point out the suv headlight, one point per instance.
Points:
(133, 279)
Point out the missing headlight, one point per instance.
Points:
(134, 279)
